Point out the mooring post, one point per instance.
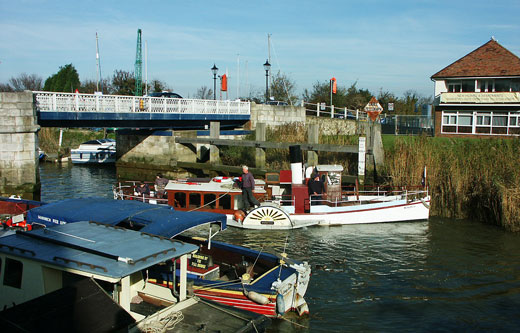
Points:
(260, 152)
(214, 133)
(312, 137)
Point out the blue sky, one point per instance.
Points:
(394, 45)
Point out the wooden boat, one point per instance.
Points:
(95, 151)
(257, 281)
(286, 204)
(59, 258)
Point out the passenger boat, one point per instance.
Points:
(266, 283)
(285, 200)
(95, 275)
(95, 151)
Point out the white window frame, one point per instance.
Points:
(455, 115)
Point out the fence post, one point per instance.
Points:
(345, 115)
(396, 131)
(312, 137)
(318, 110)
(332, 111)
(214, 133)
(357, 114)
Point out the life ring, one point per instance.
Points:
(239, 216)
(222, 179)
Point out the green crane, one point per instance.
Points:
(138, 66)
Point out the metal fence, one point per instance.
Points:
(390, 124)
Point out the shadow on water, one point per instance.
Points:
(440, 275)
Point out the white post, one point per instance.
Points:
(124, 295)
(183, 277)
(357, 114)
(318, 110)
(332, 111)
(345, 115)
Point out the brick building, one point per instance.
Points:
(479, 94)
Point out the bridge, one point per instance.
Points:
(95, 110)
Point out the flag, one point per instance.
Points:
(223, 85)
(334, 85)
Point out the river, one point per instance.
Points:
(439, 275)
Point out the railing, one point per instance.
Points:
(67, 102)
(330, 111)
(406, 124)
(126, 191)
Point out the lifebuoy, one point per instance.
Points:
(221, 179)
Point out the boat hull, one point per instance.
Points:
(94, 157)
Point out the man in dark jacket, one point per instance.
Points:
(248, 184)
(316, 186)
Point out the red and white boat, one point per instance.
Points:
(286, 204)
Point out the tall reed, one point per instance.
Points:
(468, 178)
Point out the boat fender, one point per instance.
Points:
(239, 216)
(280, 305)
(256, 297)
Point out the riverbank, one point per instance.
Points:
(49, 138)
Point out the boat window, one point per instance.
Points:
(209, 200)
(195, 200)
(180, 199)
(13, 273)
(225, 202)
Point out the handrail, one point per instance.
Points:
(76, 102)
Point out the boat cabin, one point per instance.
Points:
(41, 261)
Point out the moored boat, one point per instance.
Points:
(95, 151)
(286, 202)
(233, 275)
(61, 258)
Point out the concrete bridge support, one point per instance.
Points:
(19, 146)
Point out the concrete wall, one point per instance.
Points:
(18, 146)
(272, 115)
(332, 126)
(140, 155)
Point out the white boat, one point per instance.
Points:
(286, 204)
(95, 151)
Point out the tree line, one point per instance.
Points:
(282, 88)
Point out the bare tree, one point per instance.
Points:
(5, 87)
(26, 82)
(282, 88)
(204, 93)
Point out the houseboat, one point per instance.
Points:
(266, 283)
(95, 151)
(39, 262)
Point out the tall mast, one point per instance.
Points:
(238, 76)
(269, 57)
(98, 67)
(146, 67)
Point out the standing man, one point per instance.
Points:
(248, 184)
(160, 184)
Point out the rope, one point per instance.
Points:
(164, 324)
(293, 322)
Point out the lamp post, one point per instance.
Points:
(214, 70)
(267, 67)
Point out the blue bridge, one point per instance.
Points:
(93, 110)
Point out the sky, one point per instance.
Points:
(390, 45)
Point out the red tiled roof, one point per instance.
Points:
(491, 59)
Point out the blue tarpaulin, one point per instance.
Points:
(158, 220)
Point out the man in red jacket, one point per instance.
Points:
(248, 184)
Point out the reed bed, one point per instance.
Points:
(468, 178)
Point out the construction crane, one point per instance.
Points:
(138, 66)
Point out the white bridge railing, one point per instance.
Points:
(67, 102)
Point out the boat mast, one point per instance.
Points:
(98, 66)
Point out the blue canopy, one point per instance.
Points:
(158, 220)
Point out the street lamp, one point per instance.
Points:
(214, 70)
(267, 67)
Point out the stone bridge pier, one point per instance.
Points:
(19, 173)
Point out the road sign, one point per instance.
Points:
(390, 106)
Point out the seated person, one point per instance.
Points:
(316, 187)
(142, 189)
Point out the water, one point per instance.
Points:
(440, 275)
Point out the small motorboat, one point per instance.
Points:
(95, 151)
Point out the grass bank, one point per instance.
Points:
(468, 178)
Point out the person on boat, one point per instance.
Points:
(160, 184)
(316, 186)
(248, 184)
(142, 189)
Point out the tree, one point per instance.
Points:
(123, 83)
(157, 86)
(282, 89)
(357, 98)
(66, 80)
(91, 86)
(204, 93)
(321, 94)
(26, 82)
(5, 87)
